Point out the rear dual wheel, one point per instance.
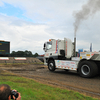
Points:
(88, 69)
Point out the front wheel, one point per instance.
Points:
(88, 69)
(51, 65)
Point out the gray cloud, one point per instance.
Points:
(87, 10)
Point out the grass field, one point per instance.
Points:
(31, 90)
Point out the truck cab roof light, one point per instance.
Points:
(49, 39)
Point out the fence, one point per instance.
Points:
(19, 60)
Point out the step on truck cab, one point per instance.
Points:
(60, 54)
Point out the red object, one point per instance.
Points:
(42, 55)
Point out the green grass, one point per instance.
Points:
(31, 90)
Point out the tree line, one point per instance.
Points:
(25, 53)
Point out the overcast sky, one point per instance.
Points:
(27, 24)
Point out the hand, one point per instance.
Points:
(19, 96)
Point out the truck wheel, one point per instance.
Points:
(88, 69)
(51, 65)
(66, 70)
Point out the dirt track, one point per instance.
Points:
(59, 78)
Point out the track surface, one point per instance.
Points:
(59, 78)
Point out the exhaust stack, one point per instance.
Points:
(75, 46)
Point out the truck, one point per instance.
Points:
(4, 48)
(60, 54)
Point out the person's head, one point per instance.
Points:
(5, 92)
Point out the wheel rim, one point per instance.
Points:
(50, 66)
(85, 69)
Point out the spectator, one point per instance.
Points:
(5, 93)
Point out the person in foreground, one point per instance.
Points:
(7, 94)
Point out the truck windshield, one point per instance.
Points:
(49, 45)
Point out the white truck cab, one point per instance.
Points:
(60, 54)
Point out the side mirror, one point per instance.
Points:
(44, 48)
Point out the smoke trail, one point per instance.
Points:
(88, 9)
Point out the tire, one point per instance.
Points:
(66, 70)
(51, 65)
(88, 69)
